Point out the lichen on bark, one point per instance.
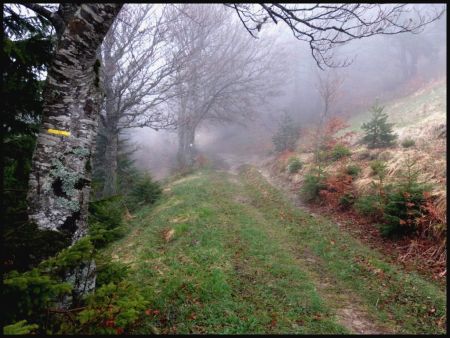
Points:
(66, 178)
(60, 177)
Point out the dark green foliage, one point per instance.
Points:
(373, 205)
(347, 200)
(286, 136)
(407, 143)
(294, 165)
(27, 49)
(145, 191)
(353, 170)
(26, 53)
(20, 327)
(379, 133)
(30, 293)
(401, 210)
(69, 258)
(115, 306)
(370, 205)
(379, 168)
(106, 220)
(404, 206)
(398, 206)
(314, 182)
(339, 151)
(110, 272)
(127, 173)
(24, 245)
(112, 309)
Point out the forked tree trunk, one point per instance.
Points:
(60, 177)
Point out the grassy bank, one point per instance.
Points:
(227, 254)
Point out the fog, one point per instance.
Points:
(382, 67)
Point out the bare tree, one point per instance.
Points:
(409, 50)
(328, 86)
(137, 72)
(225, 76)
(325, 26)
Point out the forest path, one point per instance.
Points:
(229, 253)
(347, 306)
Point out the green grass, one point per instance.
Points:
(237, 264)
(408, 302)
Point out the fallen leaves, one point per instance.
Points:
(168, 234)
(150, 312)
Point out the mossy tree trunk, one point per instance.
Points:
(60, 177)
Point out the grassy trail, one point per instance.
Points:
(225, 253)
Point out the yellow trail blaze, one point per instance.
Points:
(59, 132)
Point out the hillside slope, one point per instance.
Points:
(426, 106)
(223, 253)
(420, 117)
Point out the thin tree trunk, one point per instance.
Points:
(110, 165)
(60, 177)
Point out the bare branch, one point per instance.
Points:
(325, 26)
(55, 19)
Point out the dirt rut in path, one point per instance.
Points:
(349, 309)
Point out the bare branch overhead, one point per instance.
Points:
(325, 26)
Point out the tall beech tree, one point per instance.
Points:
(60, 177)
(137, 73)
(226, 76)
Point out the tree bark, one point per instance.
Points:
(186, 146)
(110, 165)
(60, 177)
(109, 127)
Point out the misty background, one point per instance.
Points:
(382, 67)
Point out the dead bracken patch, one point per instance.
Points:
(426, 250)
(128, 216)
(168, 234)
(410, 252)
